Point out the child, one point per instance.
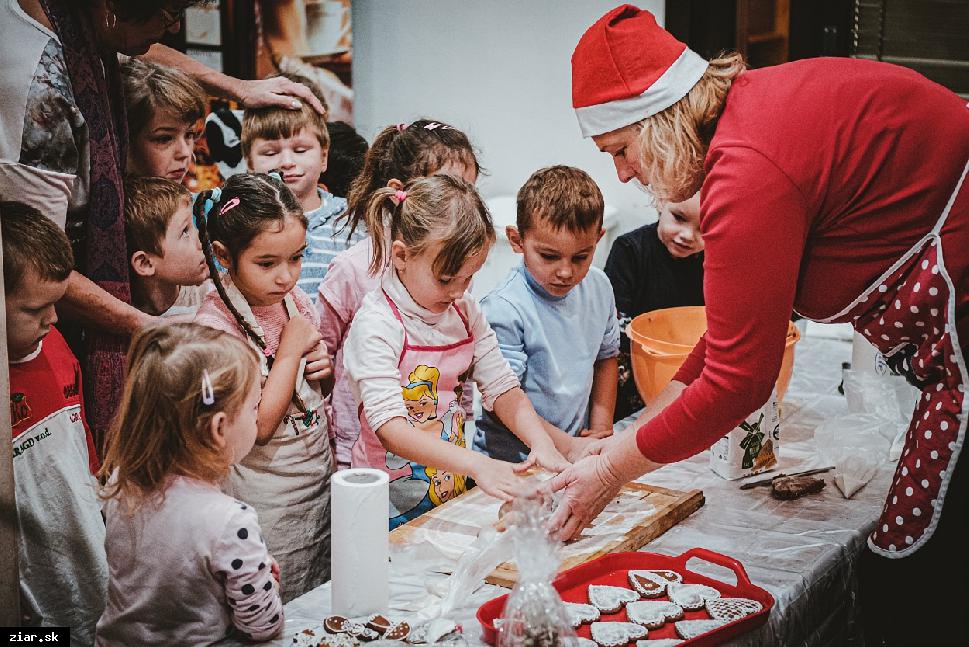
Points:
(169, 276)
(63, 572)
(296, 143)
(256, 229)
(421, 336)
(187, 562)
(399, 154)
(653, 267)
(163, 107)
(348, 150)
(554, 314)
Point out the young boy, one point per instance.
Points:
(295, 143)
(63, 570)
(656, 266)
(169, 277)
(554, 314)
(163, 106)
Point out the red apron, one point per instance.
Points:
(909, 314)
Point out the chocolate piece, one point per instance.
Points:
(398, 631)
(794, 487)
(378, 623)
(336, 624)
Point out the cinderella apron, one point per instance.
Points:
(432, 381)
(909, 314)
(287, 480)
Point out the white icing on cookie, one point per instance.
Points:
(691, 596)
(653, 614)
(730, 609)
(581, 613)
(616, 634)
(609, 599)
(688, 629)
(659, 642)
(647, 584)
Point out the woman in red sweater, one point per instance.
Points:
(832, 187)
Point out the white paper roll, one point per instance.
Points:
(359, 553)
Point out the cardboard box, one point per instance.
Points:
(752, 447)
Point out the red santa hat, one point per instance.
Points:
(626, 68)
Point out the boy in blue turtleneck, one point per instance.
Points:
(555, 314)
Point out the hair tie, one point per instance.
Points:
(208, 393)
(216, 194)
(401, 127)
(275, 175)
(228, 206)
(400, 195)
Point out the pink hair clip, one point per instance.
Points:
(401, 127)
(228, 206)
(401, 196)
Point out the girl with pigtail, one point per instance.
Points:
(422, 328)
(254, 227)
(399, 153)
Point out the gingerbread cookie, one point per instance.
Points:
(653, 614)
(580, 614)
(691, 596)
(610, 599)
(730, 609)
(659, 642)
(616, 634)
(688, 629)
(646, 586)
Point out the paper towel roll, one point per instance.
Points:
(359, 553)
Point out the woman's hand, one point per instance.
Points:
(496, 478)
(277, 91)
(298, 338)
(546, 456)
(580, 447)
(589, 485)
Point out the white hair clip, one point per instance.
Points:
(208, 393)
(433, 125)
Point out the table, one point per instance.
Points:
(804, 552)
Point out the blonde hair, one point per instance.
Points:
(162, 426)
(459, 484)
(674, 142)
(422, 381)
(149, 87)
(439, 208)
(280, 123)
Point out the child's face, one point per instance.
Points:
(300, 159)
(30, 313)
(240, 428)
(679, 227)
(267, 270)
(163, 148)
(558, 259)
(182, 261)
(434, 293)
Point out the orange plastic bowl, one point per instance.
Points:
(662, 339)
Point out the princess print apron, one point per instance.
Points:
(287, 480)
(909, 315)
(432, 383)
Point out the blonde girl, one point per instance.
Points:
(255, 227)
(421, 319)
(399, 153)
(187, 563)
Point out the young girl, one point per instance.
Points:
(256, 229)
(399, 154)
(422, 334)
(187, 563)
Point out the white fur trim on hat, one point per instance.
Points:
(669, 88)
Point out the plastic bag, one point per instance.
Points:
(534, 615)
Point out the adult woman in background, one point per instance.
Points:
(831, 186)
(63, 141)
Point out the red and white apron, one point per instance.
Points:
(432, 380)
(909, 315)
(287, 480)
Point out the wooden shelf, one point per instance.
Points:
(766, 37)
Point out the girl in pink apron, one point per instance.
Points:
(415, 342)
(257, 229)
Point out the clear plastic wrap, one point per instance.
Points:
(534, 615)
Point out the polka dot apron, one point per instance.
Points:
(909, 315)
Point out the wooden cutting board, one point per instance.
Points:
(639, 514)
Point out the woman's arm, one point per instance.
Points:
(276, 91)
(88, 302)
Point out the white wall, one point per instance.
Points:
(497, 69)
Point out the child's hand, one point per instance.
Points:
(544, 456)
(319, 366)
(497, 478)
(604, 432)
(274, 569)
(299, 337)
(580, 447)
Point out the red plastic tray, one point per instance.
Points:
(612, 569)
